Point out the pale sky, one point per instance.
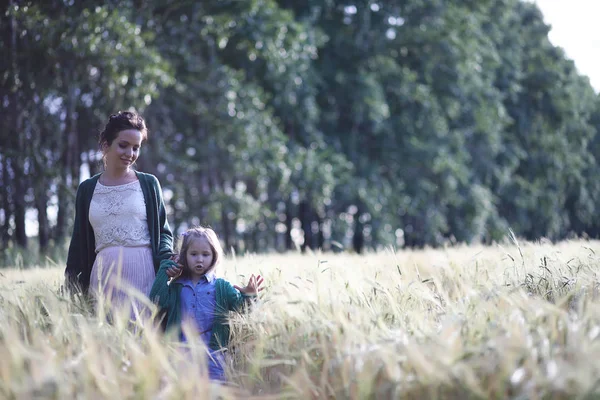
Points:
(575, 28)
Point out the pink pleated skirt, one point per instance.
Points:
(122, 277)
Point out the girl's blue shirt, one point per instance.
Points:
(168, 299)
(198, 304)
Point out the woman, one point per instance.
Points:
(121, 232)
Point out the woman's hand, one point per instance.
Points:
(253, 286)
(174, 272)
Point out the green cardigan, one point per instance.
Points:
(82, 250)
(168, 297)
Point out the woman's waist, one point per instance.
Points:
(116, 248)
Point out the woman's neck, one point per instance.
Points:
(115, 176)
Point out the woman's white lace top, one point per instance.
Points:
(118, 216)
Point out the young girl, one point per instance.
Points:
(195, 294)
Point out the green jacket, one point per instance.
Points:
(168, 299)
(82, 250)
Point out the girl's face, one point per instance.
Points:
(199, 257)
(124, 150)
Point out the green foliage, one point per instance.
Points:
(362, 124)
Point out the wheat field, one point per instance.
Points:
(505, 321)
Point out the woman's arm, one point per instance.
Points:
(161, 291)
(165, 245)
(78, 248)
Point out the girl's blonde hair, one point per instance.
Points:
(213, 241)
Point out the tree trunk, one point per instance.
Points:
(305, 220)
(289, 243)
(15, 131)
(358, 240)
(70, 162)
(19, 203)
(226, 235)
(61, 217)
(320, 236)
(94, 164)
(73, 153)
(41, 203)
(60, 231)
(39, 181)
(254, 238)
(20, 184)
(6, 201)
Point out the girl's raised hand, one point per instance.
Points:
(253, 286)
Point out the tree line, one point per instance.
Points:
(315, 124)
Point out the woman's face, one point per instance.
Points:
(124, 150)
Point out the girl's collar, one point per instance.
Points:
(210, 278)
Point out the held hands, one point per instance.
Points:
(174, 272)
(253, 286)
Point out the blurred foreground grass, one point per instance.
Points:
(465, 322)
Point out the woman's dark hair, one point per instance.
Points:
(122, 121)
